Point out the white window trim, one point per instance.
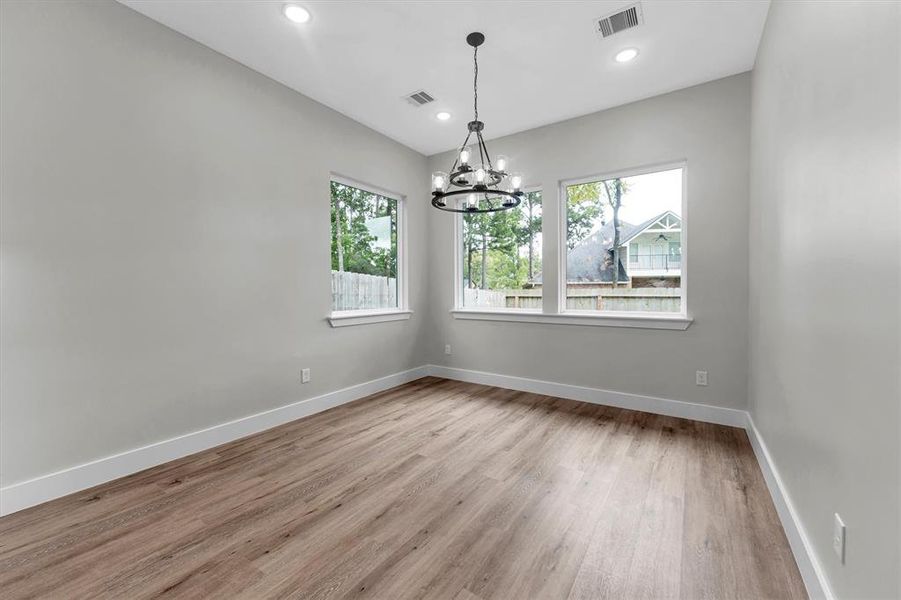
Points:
(345, 318)
(593, 319)
(658, 320)
(639, 320)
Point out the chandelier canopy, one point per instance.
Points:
(475, 183)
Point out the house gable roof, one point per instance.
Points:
(590, 259)
(637, 229)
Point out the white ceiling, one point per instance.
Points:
(542, 62)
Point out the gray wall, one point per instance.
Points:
(165, 238)
(824, 326)
(164, 227)
(707, 125)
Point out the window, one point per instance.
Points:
(501, 257)
(633, 219)
(366, 249)
(624, 238)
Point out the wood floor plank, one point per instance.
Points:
(434, 489)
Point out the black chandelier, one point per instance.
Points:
(487, 186)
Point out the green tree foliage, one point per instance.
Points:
(353, 246)
(501, 250)
(482, 233)
(506, 270)
(583, 208)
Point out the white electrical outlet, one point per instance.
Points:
(838, 538)
(447, 349)
(305, 376)
(700, 377)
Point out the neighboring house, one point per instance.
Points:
(650, 254)
(654, 249)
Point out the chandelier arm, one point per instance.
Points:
(482, 146)
(482, 154)
(465, 141)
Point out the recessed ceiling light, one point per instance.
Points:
(443, 116)
(296, 14)
(626, 55)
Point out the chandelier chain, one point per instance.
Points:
(475, 82)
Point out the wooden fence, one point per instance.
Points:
(621, 299)
(356, 291)
(476, 298)
(625, 299)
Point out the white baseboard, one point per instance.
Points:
(660, 406)
(811, 571)
(21, 495)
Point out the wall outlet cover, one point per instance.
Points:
(700, 377)
(447, 348)
(305, 376)
(838, 538)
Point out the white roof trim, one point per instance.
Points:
(638, 232)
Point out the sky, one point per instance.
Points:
(649, 195)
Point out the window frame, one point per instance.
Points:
(562, 251)
(558, 315)
(458, 265)
(344, 318)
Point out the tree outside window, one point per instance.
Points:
(363, 249)
(502, 256)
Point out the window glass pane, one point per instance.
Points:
(502, 257)
(364, 249)
(634, 223)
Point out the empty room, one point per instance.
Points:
(450, 299)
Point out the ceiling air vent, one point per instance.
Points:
(419, 98)
(620, 21)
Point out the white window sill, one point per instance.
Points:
(346, 318)
(610, 319)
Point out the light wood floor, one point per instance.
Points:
(435, 489)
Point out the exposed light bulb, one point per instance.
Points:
(516, 182)
(439, 181)
(480, 175)
(473, 201)
(464, 156)
(501, 163)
